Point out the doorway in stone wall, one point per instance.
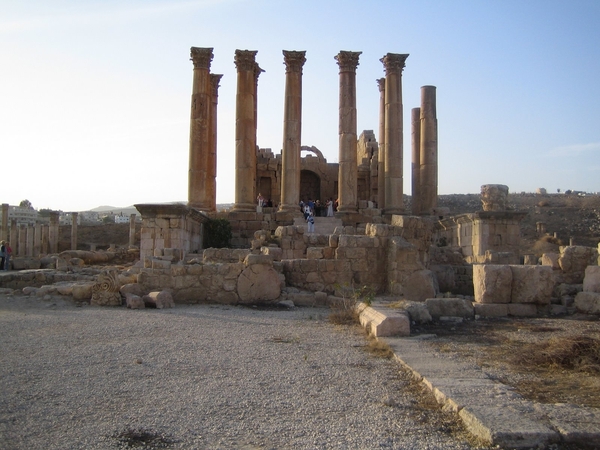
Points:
(264, 188)
(310, 185)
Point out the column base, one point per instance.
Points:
(244, 207)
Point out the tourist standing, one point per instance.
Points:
(330, 207)
(7, 255)
(2, 254)
(311, 223)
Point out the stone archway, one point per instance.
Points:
(310, 185)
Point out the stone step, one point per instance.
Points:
(323, 225)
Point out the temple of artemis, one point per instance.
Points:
(367, 181)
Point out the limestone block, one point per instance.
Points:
(25, 263)
(82, 291)
(159, 299)
(417, 311)
(158, 252)
(302, 298)
(381, 323)
(132, 288)
(591, 280)
(258, 283)
(258, 259)
(445, 277)
(274, 252)
(347, 240)
(334, 240)
(159, 264)
(320, 298)
(551, 259)
(380, 229)
(574, 259)
(492, 283)
(588, 302)
(419, 285)
(522, 309)
(134, 301)
(531, 284)
(449, 307)
(494, 197)
(490, 309)
(307, 266)
(314, 253)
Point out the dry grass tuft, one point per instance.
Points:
(343, 312)
(378, 348)
(580, 354)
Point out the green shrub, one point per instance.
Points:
(217, 233)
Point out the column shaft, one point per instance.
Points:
(348, 167)
(14, 235)
(211, 167)
(22, 243)
(415, 121)
(29, 240)
(429, 150)
(198, 195)
(53, 232)
(132, 230)
(292, 131)
(4, 234)
(74, 217)
(245, 131)
(381, 151)
(37, 240)
(394, 179)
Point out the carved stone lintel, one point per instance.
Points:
(348, 61)
(394, 62)
(201, 57)
(294, 60)
(245, 60)
(214, 82)
(381, 84)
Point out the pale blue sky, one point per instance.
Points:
(95, 95)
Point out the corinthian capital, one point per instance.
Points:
(245, 59)
(201, 57)
(214, 83)
(394, 63)
(257, 72)
(381, 84)
(348, 61)
(293, 61)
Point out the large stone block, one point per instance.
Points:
(491, 309)
(382, 323)
(449, 307)
(531, 284)
(258, 283)
(574, 259)
(591, 280)
(522, 309)
(159, 299)
(551, 259)
(492, 283)
(419, 285)
(588, 302)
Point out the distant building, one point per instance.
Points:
(89, 216)
(23, 216)
(121, 219)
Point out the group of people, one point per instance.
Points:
(5, 254)
(262, 202)
(311, 209)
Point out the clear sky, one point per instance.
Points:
(95, 95)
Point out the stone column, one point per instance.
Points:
(132, 230)
(245, 131)
(415, 121)
(22, 243)
(292, 131)
(429, 151)
(394, 64)
(37, 240)
(381, 151)
(53, 232)
(198, 194)
(348, 168)
(211, 176)
(74, 217)
(14, 236)
(29, 240)
(4, 234)
(45, 239)
(257, 72)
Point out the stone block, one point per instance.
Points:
(591, 280)
(492, 283)
(588, 302)
(274, 252)
(551, 259)
(490, 309)
(258, 283)
(334, 240)
(134, 301)
(574, 259)
(314, 253)
(419, 285)
(522, 309)
(159, 264)
(251, 259)
(381, 323)
(449, 307)
(531, 284)
(159, 299)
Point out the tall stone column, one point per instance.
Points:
(4, 234)
(348, 167)
(29, 240)
(292, 131)
(257, 72)
(393, 64)
(415, 122)
(37, 240)
(198, 192)
(245, 131)
(53, 232)
(211, 176)
(74, 217)
(14, 235)
(132, 230)
(45, 239)
(381, 151)
(22, 242)
(429, 151)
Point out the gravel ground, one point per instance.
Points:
(200, 377)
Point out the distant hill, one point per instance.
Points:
(127, 210)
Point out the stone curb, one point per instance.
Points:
(491, 410)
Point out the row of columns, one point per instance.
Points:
(202, 171)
